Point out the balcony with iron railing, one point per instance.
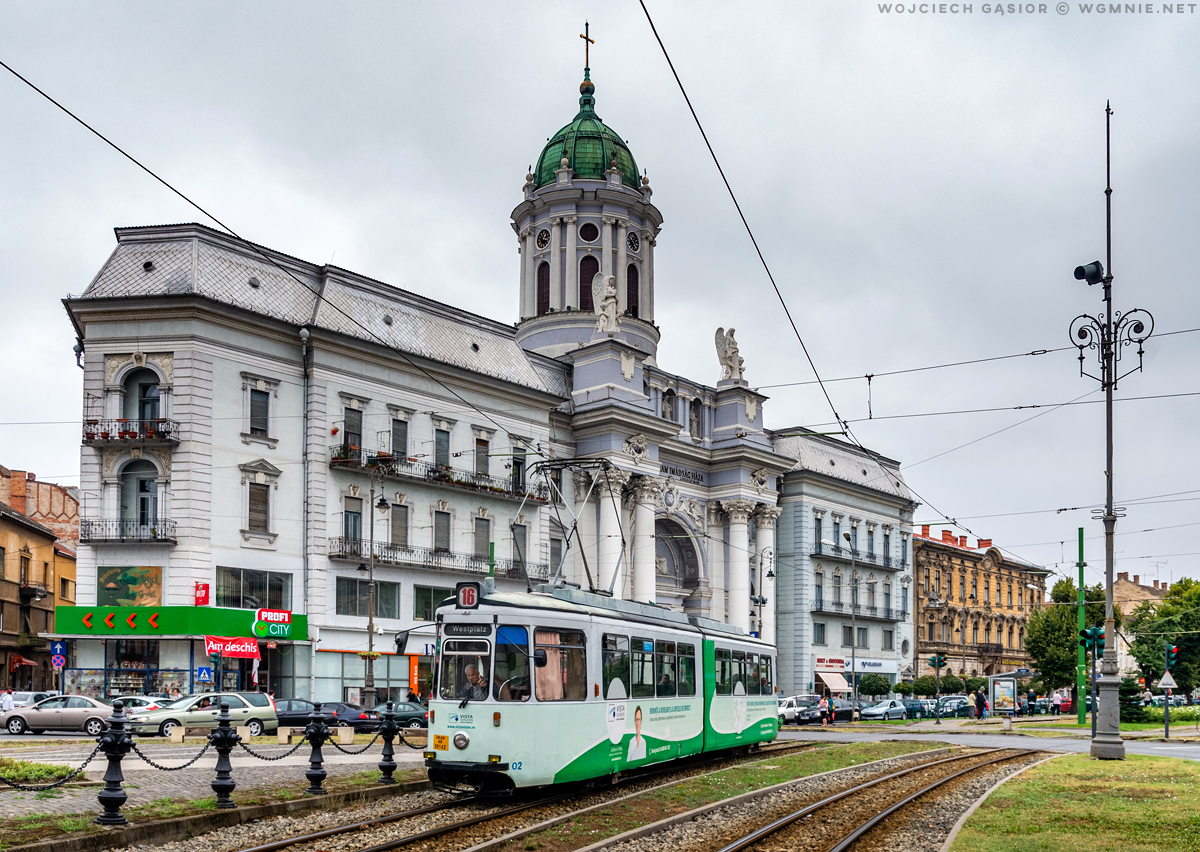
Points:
(404, 556)
(395, 467)
(881, 613)
(844, 553)
(134, 433)
(127, 531)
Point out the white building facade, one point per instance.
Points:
(261, 435)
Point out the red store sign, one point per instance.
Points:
(229, 647)
(202, 594)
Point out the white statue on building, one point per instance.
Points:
(727, 354)
(604, 301)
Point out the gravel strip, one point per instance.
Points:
(260, 832)
(720, 827)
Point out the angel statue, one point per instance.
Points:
(727, 354)
(604, 300)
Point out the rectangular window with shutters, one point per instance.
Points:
(426, 599)
(520, 554)
(888, 640)
(441, 447)
(352, 518)
(259, 515)
(352, 419)
(353, 597)
(847, 636)
(556, 485)
(400, 439)
(518, 468)
(482, 464)
(817, 534)
(863, 640)
(399, 525)
(818, 633)
(483, 537)
(260, 409)
(441, 531)
(556, 551)
(243, 588)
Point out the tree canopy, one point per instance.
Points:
(1176, 619)
(1052, 635)
(874, 685)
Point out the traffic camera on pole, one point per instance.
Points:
(1092, 273)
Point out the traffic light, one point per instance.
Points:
(938, 661)
(215, 659)
(1099, 641)
(1172, 654)
(1092, 639)
(1085, 638)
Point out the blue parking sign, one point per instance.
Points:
(204, 674)
(58, 648)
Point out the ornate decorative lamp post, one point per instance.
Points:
(368, 696)
(1108, 334)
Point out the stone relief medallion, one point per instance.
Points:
(636, 446)
(759, 478)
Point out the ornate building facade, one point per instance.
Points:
(972, 604)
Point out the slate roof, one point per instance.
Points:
(839, 460)
(194, 260)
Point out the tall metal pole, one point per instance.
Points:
(369, 682)
(853, 632)
(1107, 744)
(1081, 669)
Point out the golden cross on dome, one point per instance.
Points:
(587, 43)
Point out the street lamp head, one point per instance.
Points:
(828, 543)
(362, 568)
(846, 536)
(383, 504)
(1092, 273)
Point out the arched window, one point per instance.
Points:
(668, 405)
(588, 267)
(543, 288)
(631, 289)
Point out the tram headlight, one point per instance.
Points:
(461, 740)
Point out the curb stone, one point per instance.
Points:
(962, 820)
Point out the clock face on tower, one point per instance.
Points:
(543, 238)
(634, 242)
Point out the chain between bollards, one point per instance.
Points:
(115, 743)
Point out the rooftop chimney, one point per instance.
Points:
(962, 541)
(31, 476)
(947, 535)
(985, 543)
(1156, 584)
(16, 494)
(925, 530)
(1137, 579)
(1123, 575)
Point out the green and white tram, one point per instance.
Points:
(560, 685)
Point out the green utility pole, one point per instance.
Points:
(492, 558)
(1081, 668)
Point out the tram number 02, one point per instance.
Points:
(516, 766)
(467, 595)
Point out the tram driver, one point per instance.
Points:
(474, 688)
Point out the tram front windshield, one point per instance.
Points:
(465, 668)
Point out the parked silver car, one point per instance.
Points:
(60, 713)
(890, 708)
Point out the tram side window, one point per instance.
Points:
(767, 684)
(643, 668)
(687, 669)
(752, 674)
(664, 669)
(564, 677)
(511, 682)
(739, 672)
(616, 667)
(724, 673)
(465, 669)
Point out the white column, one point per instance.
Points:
(646, 492)
(606, 245)
(586, 512)
(716, 561)
(111, 509)
(571, 263)
(609, 485)
(647, 279)
(739, 562)
(622, 263)
(556, 290)
(528, 272)
(764, 541)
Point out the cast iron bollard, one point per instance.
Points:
(223, 739)
(115, 743)
(388, 730)
(317, 734)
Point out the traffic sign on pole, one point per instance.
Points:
(1167, 682)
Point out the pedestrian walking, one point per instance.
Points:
(1056, 705)
(980, 704)
(6, 702)
(823, 710)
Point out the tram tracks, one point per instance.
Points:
(487, 818)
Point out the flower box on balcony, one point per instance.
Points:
(104, 435)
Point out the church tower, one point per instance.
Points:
(586, 211)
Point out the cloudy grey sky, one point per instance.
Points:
(921, 184)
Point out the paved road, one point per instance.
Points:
(1187, 751)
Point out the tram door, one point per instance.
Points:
(562, 678)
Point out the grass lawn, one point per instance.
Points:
(28, 772)
(694, 792)
(1140, 804)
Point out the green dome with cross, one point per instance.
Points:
(588, 144)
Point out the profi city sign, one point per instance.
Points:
(102, 621)
(273, 623)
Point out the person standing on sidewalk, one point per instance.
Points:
(980, 705)
(6, 701)
(823, 710)
(1056, 704)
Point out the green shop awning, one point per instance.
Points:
(99, 622)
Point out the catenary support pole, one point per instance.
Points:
(1081, 669)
